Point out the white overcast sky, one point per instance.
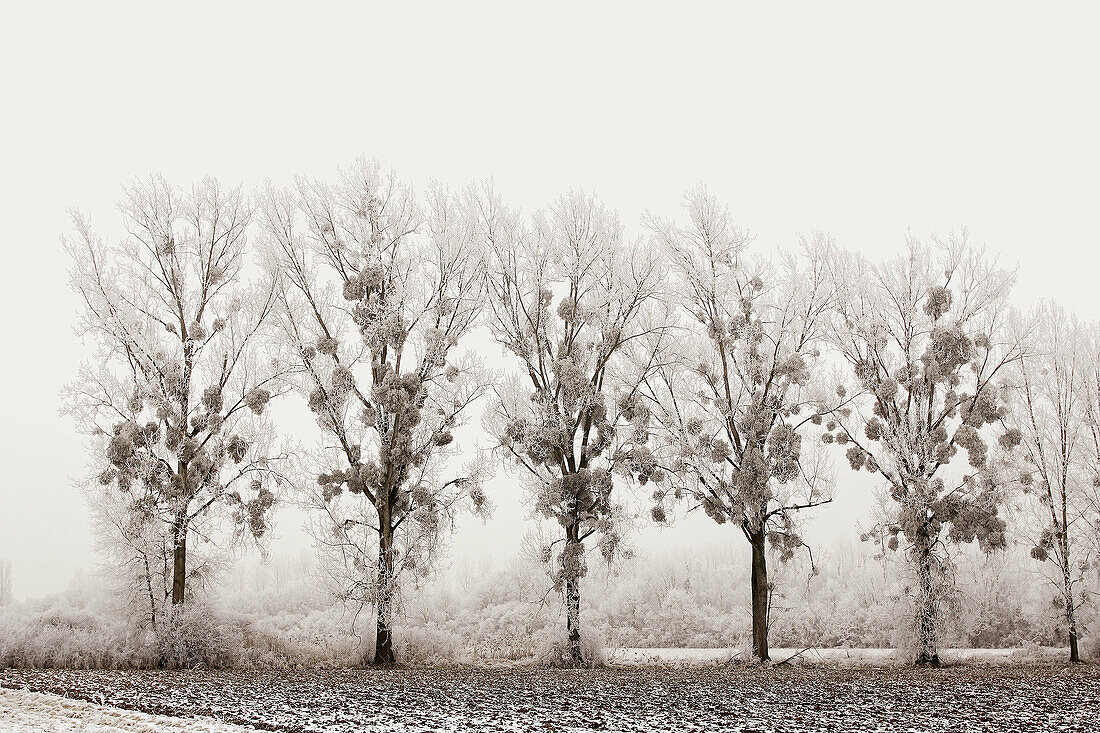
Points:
(863, 119)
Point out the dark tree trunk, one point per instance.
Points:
(1067, 579)
(179, 562)
(573, 597)
(759, 597)
(383, 640)
(927, 607)
(1071, 617)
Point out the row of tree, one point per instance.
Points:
(681, 360)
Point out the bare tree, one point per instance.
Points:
(575, 416)
(1090, 393)
(1050, 406)
(6, 594)
(735, 404)
(1081, 520)
(374, 294)
(924, 334)
(175, 396)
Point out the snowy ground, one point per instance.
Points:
(1006, 697)
(836, 656)
(22, 711)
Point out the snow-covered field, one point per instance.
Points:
(833, 656)
(22, 711)
(1005, 697)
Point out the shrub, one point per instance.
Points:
(195, 635)
(1089, 647)
(317, 638)
(66, 637)
(428, 645)
(552, 649)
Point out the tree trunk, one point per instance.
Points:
(179, 561)
(149, 589)
(927, 607)
(573, 619)
(383, 640)
(573, 557)
(1067, 579)
(1071, 617)
(759, 597)
(1074, 653)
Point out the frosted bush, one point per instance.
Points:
(1090, 647)
(65, 637)
(195, 635)
(1029, 651)
(429, 645)
(741, 650)
(552, 650)
(317, 638)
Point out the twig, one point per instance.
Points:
(788, 659)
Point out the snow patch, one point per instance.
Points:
(23, 711)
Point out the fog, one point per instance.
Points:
(861, 125)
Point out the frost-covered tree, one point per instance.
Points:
(1089, 385)
(578, 311)
(376, 290)
(733, 407)
(925, 336)
(6, 595)
(175, 396)
(1050, 409)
